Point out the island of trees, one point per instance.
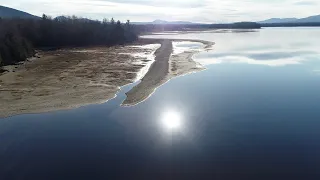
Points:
(292, 24)
(195, 26)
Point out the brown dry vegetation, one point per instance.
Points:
(67, 78)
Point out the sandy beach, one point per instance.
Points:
(71, 78)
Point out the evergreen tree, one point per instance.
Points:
(19, 36)
(112, 21)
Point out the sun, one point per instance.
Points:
(171, 120)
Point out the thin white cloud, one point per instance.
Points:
(209, 11)
(246, 60)
(164, 3)
(306, 3)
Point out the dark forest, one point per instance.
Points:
(20, 37)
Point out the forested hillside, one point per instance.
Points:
(20, 37)
(6, 12)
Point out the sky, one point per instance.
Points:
(202, 11)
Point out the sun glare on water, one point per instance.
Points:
(171, 120)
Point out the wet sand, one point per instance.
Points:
(166, 67)
(71, 78)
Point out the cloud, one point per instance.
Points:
(164, 3)
(207, 11)
(305, 3)
(247, 60)
(271, 58)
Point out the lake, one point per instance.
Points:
(253, 114)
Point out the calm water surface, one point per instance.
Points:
(253, 114)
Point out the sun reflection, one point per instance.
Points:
(171, 120)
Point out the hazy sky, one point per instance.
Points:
(210, 11)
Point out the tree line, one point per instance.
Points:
(146, 28)
(20, 37)
(292, 24)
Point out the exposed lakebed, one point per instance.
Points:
(71, 78)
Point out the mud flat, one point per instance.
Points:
(167, 65)
(71, 78)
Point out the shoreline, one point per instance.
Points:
(69, 79)
(73, 78)
(166, 67)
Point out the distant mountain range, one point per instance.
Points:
(311, 19)
(6, 12)
(164, 22)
